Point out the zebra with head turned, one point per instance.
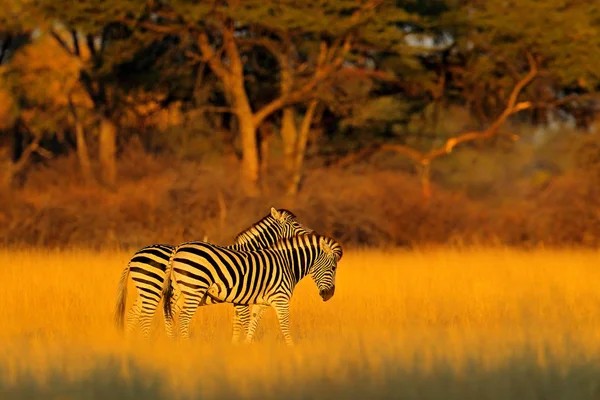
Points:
(148, 265)
(266, 277)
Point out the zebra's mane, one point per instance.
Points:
(309, 238)
(246, 235)
(285, 211)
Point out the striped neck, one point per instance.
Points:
(299, 252)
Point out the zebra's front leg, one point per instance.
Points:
(282, 309)
(241, 317)
(175, 309)
(190, 305)
(257, 312)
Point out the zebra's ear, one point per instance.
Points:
(275, 214)
(325, 246)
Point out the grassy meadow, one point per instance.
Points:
(439, 324)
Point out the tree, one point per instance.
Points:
(16, 25)
(489, 48)
(310, 41)
(493, 36)
(91, 33)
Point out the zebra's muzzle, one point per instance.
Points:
(326, 294)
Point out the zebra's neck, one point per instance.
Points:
(259, 236)
(299, 253)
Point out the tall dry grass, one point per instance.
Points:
(447, 324)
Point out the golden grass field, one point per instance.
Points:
(443, 324)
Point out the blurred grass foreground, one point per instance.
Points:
(443, 324)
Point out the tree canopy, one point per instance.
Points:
(371, 74)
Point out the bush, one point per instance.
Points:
(164, 200)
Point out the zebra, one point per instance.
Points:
(266, 277)
(148, 265)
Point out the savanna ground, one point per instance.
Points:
(429, 324)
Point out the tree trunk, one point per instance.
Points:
(250, 166)
(425, 178)
(265, 140)
(108, 152)
(83, 154)
(289, 131)
(289, 137)
(250, 162)
(234, 83)
(300, 150)
(8, 174)
(6, 165)
(11, 167)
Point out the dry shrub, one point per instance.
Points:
(162, 200)
(568, 212)
(380, 208)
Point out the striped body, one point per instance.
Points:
(147, 268)
(265, 277)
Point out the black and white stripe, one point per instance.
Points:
(148, 265)
(266, 277)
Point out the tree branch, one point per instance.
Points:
(425, 158)
(214, 109)
(567, 99)
(297, 95)
(329, 60)
(512, 108)
(157, 28)
(269, 45)
(75, 42)
(89, 38)
(61, 42)
(6, 42)
(211, 57)
(33, 147)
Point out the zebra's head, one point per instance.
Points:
(287, 223)
(324, 267)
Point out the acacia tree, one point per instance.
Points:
(564, 38)
(90, 32)
(310, 42)
(16, 25)
(495, 50)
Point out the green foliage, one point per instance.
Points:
(90, 16)
(18, 16)
(377, 112)
(564, 36)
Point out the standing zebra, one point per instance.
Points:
(148, 265)
(265, 277)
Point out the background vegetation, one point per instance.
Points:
(378, 122)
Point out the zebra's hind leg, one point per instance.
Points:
(133, 315)
(175, 309)
(190, 305)
(257, 313)
(146, 314)
(241, 318)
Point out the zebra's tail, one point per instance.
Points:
(121, 299)
(167, 289)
